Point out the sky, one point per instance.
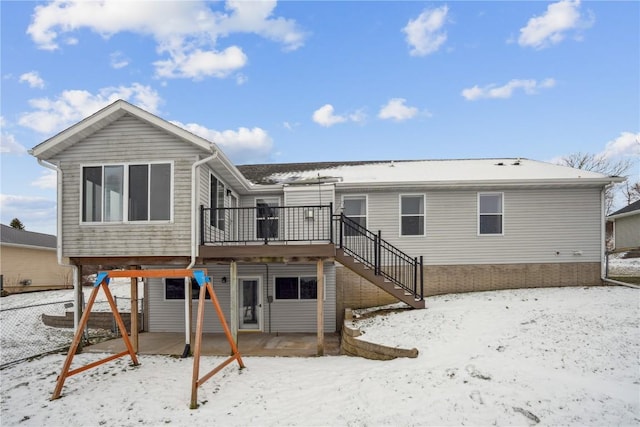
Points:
(303, 81)
(547, 356)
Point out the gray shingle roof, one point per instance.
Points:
(259, 174)
(14, 236)
(635, 206)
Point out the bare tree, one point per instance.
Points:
(631, 192)
(602, 164)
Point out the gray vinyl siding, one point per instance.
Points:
(540, 226)
(281, 316)
(124, 141)
(627, 231)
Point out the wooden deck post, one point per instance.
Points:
(320, 299)
(233, 283)
(134, 309)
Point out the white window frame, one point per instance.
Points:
(224, 200)
(424, 214)
(125, 193)
(279, 217)
(479, 214)
(299, 276)
(366, 206)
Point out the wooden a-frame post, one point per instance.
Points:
(102, 281)
(205, 286)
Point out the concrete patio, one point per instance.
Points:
(249, 344)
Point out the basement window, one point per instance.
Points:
(174, 289)
(296, 288)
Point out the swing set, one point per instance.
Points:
(102, 282)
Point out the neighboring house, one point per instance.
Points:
(28, 262)
(293, 244)
(626, 228)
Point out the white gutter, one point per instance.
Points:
(194, 250)
(76, 286)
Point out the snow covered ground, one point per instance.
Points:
(557, 356)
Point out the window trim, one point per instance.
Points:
(299, 276)
(366, 206)
(125, 193)
(424, 215)
(279, 217)
(479, 214)
(220, 183)
(181, 300)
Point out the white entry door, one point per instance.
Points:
(250, 303)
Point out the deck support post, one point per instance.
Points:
(134, 310)
(233, 283)
(320, 299)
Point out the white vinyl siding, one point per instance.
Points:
(627, 231)
(286, 315)
(540, 223)
(118, 143)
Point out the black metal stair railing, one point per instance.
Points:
(382, 257)
(265, 224)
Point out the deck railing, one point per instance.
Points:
(312, 224)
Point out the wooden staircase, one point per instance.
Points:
(379, 280)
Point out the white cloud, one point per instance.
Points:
(627, 144)
(529, 87)
(34, 212)
(47, 180)
(242, 146)
(396, 110)
(33, 79)
(552, 27)
(52, 115)
(8, 142)
(118, 60)
(425, 34)
(324, 116)
(188, 40)
(199, 64)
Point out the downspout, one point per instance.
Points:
(604, 256)
(194, 252)
(76, 285)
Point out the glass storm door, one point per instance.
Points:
(250, 301)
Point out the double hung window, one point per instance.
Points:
(412, 216)
(121, 193)
(217, 192)
(355, 208)
(490, 213)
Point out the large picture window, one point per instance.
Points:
(412, 215)
(296, 288)
(490, 213)
(174, 289)
(146, 188)
(355, 208)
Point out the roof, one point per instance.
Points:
(458, 172)
(14, 236)
(632, 209)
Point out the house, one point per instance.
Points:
(625, 224)
(288, 246)
(28, 262)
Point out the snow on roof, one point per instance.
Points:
(406, 171)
